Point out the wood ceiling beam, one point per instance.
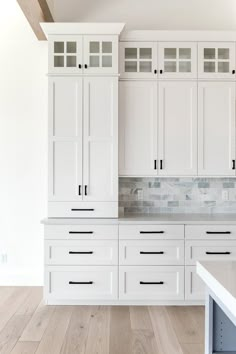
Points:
(36, 11)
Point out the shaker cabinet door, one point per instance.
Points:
(100, 165)
(65, 139)
(137, 128)
(177, 128)
(216, 128)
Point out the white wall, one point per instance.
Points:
(23, 148)
(152, 14)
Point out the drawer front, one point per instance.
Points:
(194, 286)
(151, 283)
(81, 252)
(151, 232)
(151, 252)
(83, 209)
(209, 251)
(81, 232)
(210, 232)
(81, 283)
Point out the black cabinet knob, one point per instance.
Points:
(155, 71)
(80, 66)
(233, 72)
(161, 71)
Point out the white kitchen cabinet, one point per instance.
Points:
(65, 138)
(137, 128)
(177, 137)
(194, 286)
(177, 60)
(83, 125)
(216, 128)
(66, 54)
(100, 139)
(216, 60)
(100, 54)
(138, 60)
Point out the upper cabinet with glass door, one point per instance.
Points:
(216, 60)
(65, 54)
(100, 54)
(177, 60)
(138, 59)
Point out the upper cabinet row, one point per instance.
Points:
(177, 60)
(96, 54)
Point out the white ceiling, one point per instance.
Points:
(151, 14)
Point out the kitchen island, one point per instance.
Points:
(220, 325)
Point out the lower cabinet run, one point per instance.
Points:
(130, 263)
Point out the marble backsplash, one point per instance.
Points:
(177, 195)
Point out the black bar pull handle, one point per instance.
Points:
(151, 232)
(86, 190)
(142, 252)
(151, 282)
(80, 232)
(233, 166)
(79, 191)
(74, 252)
(233, 72)
(80, 282)
(155, 71)
(155, 164)
(80, 66)
(218, 232)
(218, 252)
(161, 164)
(161, 71)
(82, 209)
(85, 66)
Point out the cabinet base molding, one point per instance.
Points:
(124, 303)
(83, 209)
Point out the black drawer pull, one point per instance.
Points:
(218, 232)
(80, 232)
(161, 252)
(151, 282)
(155, 164)
(233, 166)
(80, 282)
(218, 252)
(82, 209)
(151, 232)
(72, 252)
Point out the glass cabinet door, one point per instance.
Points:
(65, 54)
(138, 59)
(177, 60)
(100, 54)
(216, 60)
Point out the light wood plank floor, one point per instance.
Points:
(28, 326)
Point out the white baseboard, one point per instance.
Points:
(21, 276)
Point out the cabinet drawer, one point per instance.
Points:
(81, 252)
(151, 283)
(209, 250)
(81, 283)
(194, 286)
(151, 232)
(83, 209)
(208, 232)
(151, 252)
(81, 232)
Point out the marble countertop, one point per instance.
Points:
(174, 219)
(220, 278)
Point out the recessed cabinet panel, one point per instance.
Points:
(65, 54)
(178, 128)
(137, 128)
(138, 59)
(100, 139)
(65, 175)
(177, 60)
(216, 60)
(216, 128)
(100, 54)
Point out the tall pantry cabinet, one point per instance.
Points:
(83, 120)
